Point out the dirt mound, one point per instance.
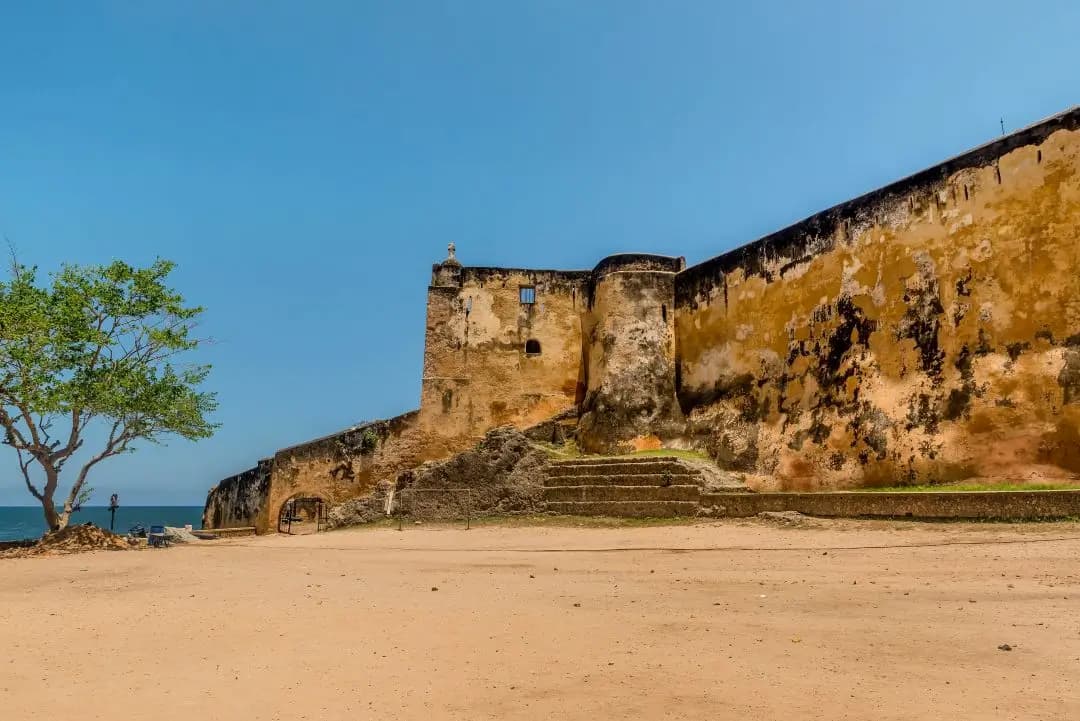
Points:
(784, 518)
(503, 474)
(75, 539)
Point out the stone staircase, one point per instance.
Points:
(632, 487)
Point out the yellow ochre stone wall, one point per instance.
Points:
(928, 331)
(477, 373)
(629, 355)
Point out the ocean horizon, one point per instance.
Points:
(21, 522)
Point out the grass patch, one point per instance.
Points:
(564, 451)
(673, 453)
(1005, 486)
(569, 450)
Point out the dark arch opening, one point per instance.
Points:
(301, 514)
(663, 312)
(532, 347)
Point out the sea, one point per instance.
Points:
(19, 522)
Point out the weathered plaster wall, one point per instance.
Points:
(629, 345)
(1004, 505)
(347, 464)
(237, 501)
(477, 374)
(926, 331)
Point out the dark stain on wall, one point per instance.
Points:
(921, 323)
(820, 232)
(236, 501)
(1069, 378)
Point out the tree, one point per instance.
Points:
(97, 349)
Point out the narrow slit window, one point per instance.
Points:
(527, 293)
(532, 347)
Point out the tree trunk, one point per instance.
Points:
(65, 516)
(54, 521)
(52, 518)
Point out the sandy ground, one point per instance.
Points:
(739, 620)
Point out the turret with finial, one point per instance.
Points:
(451, 255)
(448, 272)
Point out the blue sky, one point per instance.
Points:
(306, 162)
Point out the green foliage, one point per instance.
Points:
(674, 453)
(569, 449)
(369, 440)
(560, 451)
(99, 344)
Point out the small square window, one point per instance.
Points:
(527, 293)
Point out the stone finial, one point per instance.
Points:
(451, 257)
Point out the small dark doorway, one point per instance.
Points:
(302, 515)
(532, 347)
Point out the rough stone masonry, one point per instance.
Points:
(925, 331)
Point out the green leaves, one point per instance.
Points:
(101, 343)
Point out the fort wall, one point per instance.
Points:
(927, 331)
(238, 501)
(343, 465)
(491, 359)
(628, 331)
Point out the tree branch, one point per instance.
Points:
(117, 443)
(24, 466)
(14, 438)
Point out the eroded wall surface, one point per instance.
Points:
(926, 331)
(239, 500)
(478, 372)
(347, 464)
(629, 355)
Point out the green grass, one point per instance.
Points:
(564, 451)
(1005, 486)
(569, 450)
(674, 453)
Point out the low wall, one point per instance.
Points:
(238, 501)
(226, 532)
(990, 505)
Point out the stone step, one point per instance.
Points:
(625, 509)
(591, 460)
(567, 468)
(716, 497)
(621, 493)
(636, 479)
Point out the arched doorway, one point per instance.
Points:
(301, 515)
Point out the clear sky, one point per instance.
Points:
(305, 162)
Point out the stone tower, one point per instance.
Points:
(628, 339)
